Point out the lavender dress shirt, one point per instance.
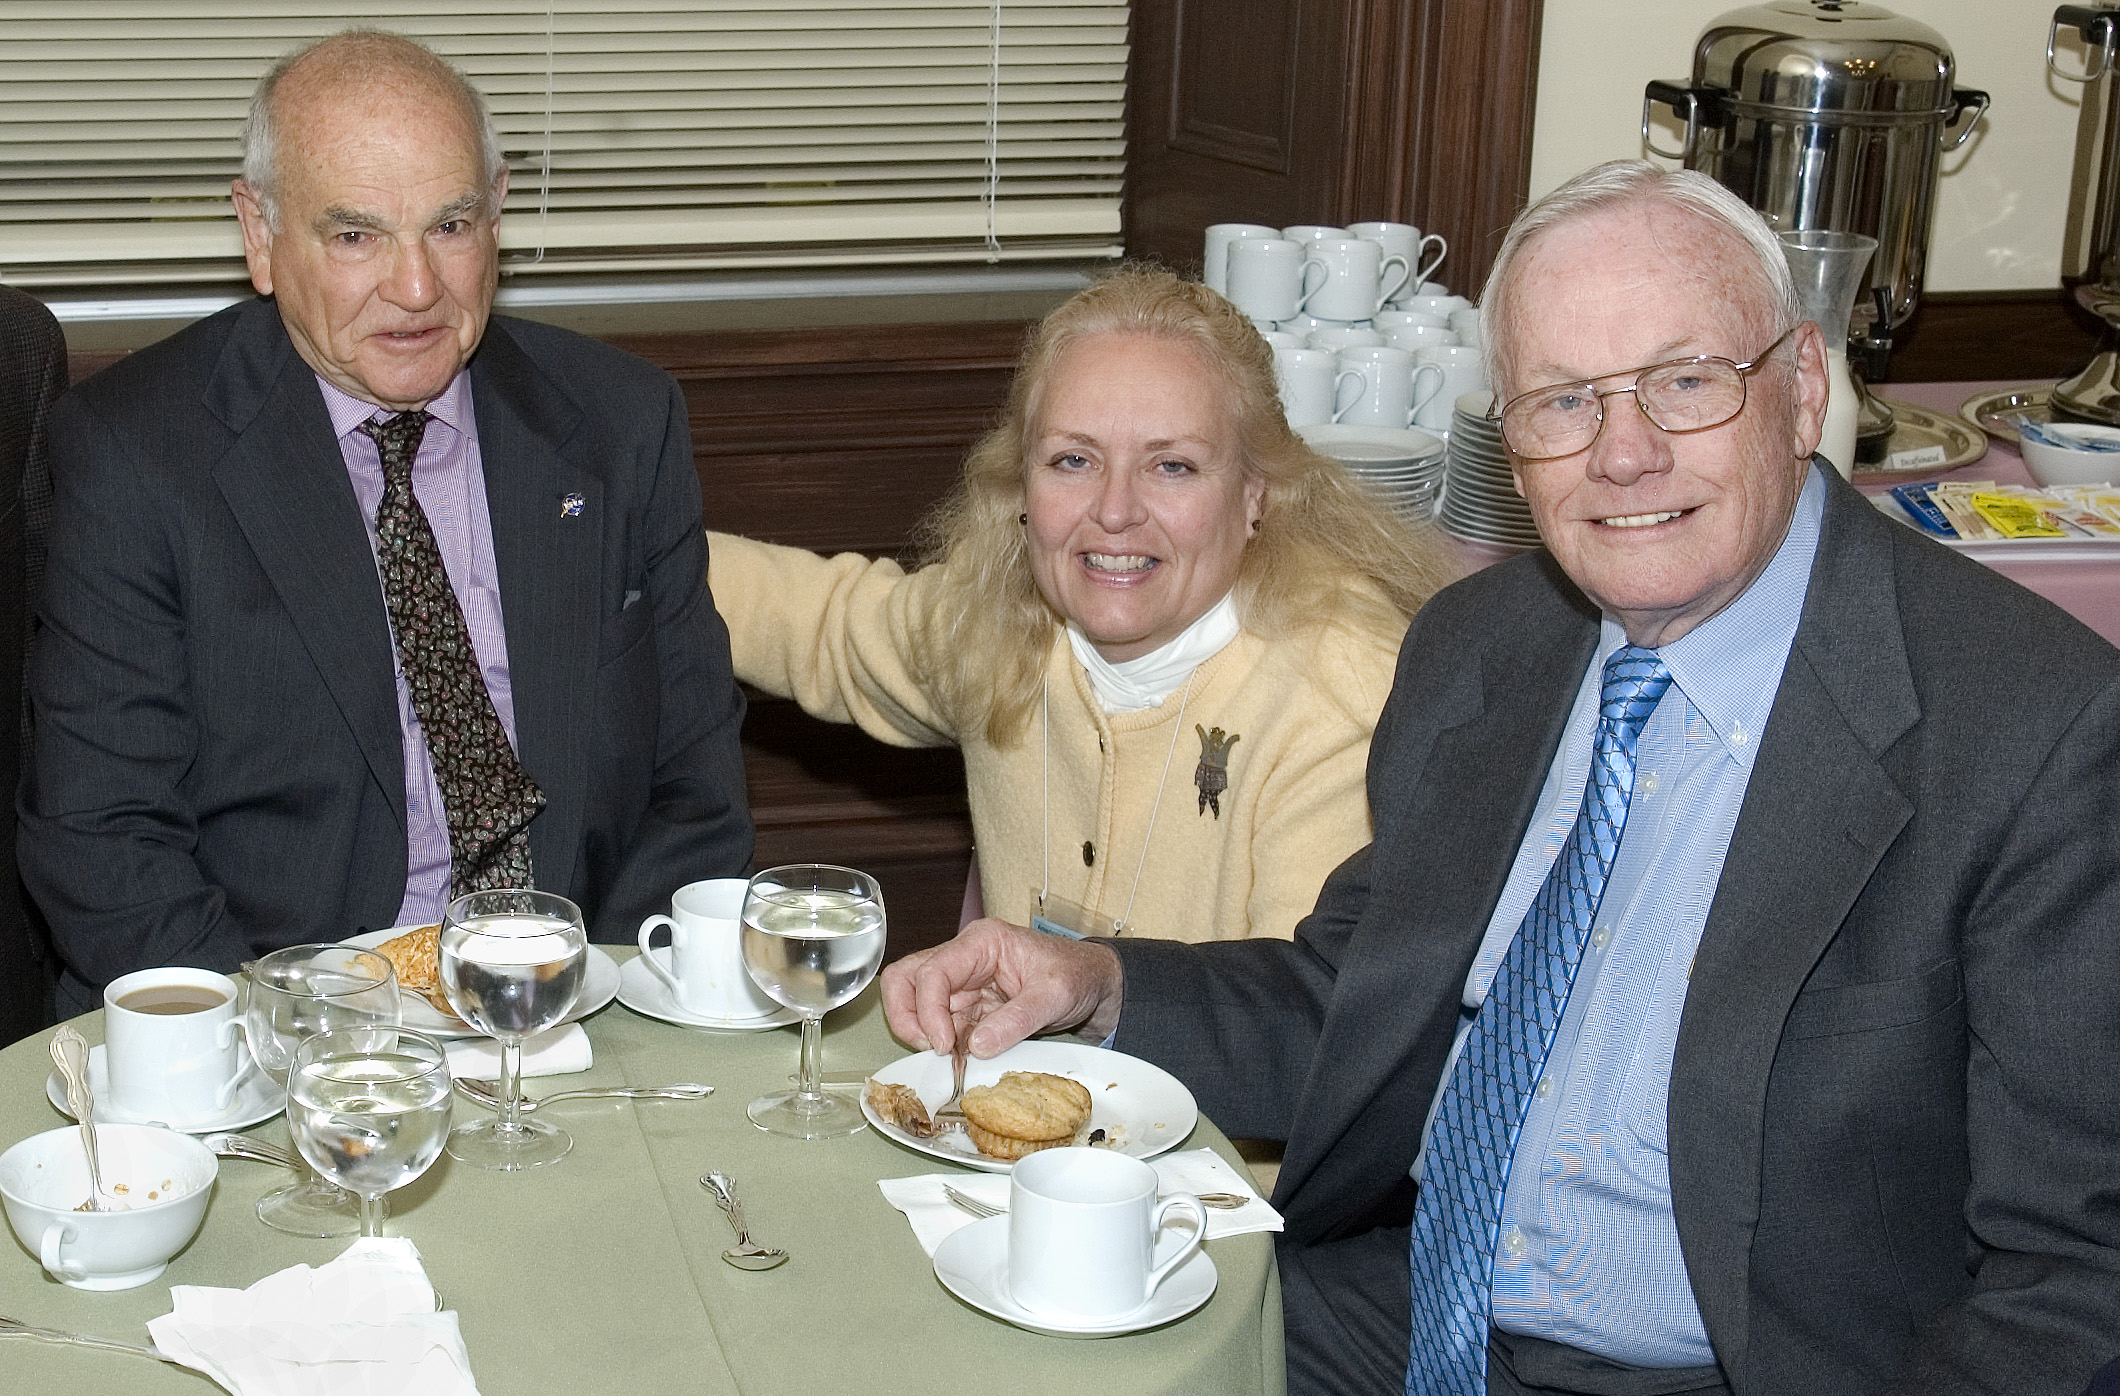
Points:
(449, 481)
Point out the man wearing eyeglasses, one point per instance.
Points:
(1725, 1004)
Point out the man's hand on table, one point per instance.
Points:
(1018, 981)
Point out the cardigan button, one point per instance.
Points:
(1089, 854)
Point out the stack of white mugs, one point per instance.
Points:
(1361, 334)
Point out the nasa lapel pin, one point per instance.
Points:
(1212, 774)
(571, 506)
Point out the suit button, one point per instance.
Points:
(1089, 854)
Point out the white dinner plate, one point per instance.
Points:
(972, 1263)
(599, 987)
(258, 1099)
(1142, 1109)
(643, 991)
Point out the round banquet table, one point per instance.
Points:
(603, 1272)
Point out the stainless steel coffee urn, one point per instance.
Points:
(2092, 256)
(1833, 115)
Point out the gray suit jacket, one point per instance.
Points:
(218, 768)
(1894, 1111)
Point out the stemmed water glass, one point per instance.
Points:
(812, 938)
(512, 963)
(296, 993)
(369, 1108)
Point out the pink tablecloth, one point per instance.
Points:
(2088, 588)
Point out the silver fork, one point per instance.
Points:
(952, 1111)
(15, 1328)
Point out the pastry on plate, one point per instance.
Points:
(416, 958)
(1023, 1112)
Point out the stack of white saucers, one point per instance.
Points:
(1403, 466)
(1480, 502)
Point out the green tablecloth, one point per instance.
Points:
(603, 1272)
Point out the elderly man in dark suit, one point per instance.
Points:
(1725, 1004)
(358, 601)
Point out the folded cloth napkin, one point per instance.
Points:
(361, 1325)
(555, 1052)
(934, 1216)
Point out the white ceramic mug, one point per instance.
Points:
(1403, 240)
(1270, 279)
(170, 1045)
(1391, 319)
(1082, 1230)
(1386, 399)
(167, 1179)
(1465, 324)
(705, 972)
(1214, 263)
(1440, 377)
(1282, 339)
(1334, 338)
(1307, 324)
(1311, 232)
(1358, 276)
(1440, 304)
(1313, 387)
(1414, 338)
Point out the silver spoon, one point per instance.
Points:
(15, 1328)
(487, 1093)
(70, 1052)
(746, 1254)
(1219, 1201)
(255, 1150)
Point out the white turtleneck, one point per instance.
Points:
(1134, 684)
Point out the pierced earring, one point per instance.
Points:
(1254, 528)
(1023, 520)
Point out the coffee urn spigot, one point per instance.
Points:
(2093, 257)
(1830, 115)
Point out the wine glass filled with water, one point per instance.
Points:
(812, 938)
(369, 1108)
(295, 994)
(512, 963)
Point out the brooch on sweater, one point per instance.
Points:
(1212, 774)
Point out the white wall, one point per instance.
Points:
(2002, 204)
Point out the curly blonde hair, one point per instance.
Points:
(1327, 552)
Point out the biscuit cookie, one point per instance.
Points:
(1023, 1112)
(416, 958)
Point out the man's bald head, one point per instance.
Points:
(349, 69)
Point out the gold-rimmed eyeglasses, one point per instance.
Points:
(1677, 396)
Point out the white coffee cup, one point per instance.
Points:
(1214, 263)
(1338, 337)
(166, 1178)
(1082, 1231)
(1358, 276)
(1440, 377)
(1312, 385)
(1440, 304)
(170, 1045)
(1270, 279)
(1403, 240)
(1386, 399)
(1311, 232)
(1388, 320)
(1282, 339)
(705, 972)
(1413, 338)
(1307, 324)
(1465, 323)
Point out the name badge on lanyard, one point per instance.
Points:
(1057, 916)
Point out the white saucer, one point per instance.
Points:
(599, 985)
(642, 990)
(259, 1099)
(972, 1263)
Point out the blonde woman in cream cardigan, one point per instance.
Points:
(1159, 626)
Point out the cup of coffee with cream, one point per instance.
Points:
(171, 1045)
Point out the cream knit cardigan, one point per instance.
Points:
(835, 634)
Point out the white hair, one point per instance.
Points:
(369, 51)
(1614, 185)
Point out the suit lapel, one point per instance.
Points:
(549, 557)
(1818, 814)
(284, 480)
(1443, 851)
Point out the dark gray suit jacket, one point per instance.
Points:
(218, 768)
(1894, 1110)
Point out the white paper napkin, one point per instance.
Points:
(361, 1325)
(934, 1216)
(559, 1051)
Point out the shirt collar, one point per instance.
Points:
(452, 408)
(1144, 682)
(1729, 665)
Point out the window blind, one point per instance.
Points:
(641, 135)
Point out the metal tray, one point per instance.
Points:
(1998, 413)
(1924, 443)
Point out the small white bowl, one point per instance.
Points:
(167, 1179)
(2061, 465)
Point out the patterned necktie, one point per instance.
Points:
(1457, 1219)
(487, 798)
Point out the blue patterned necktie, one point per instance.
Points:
(1457, 1219)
